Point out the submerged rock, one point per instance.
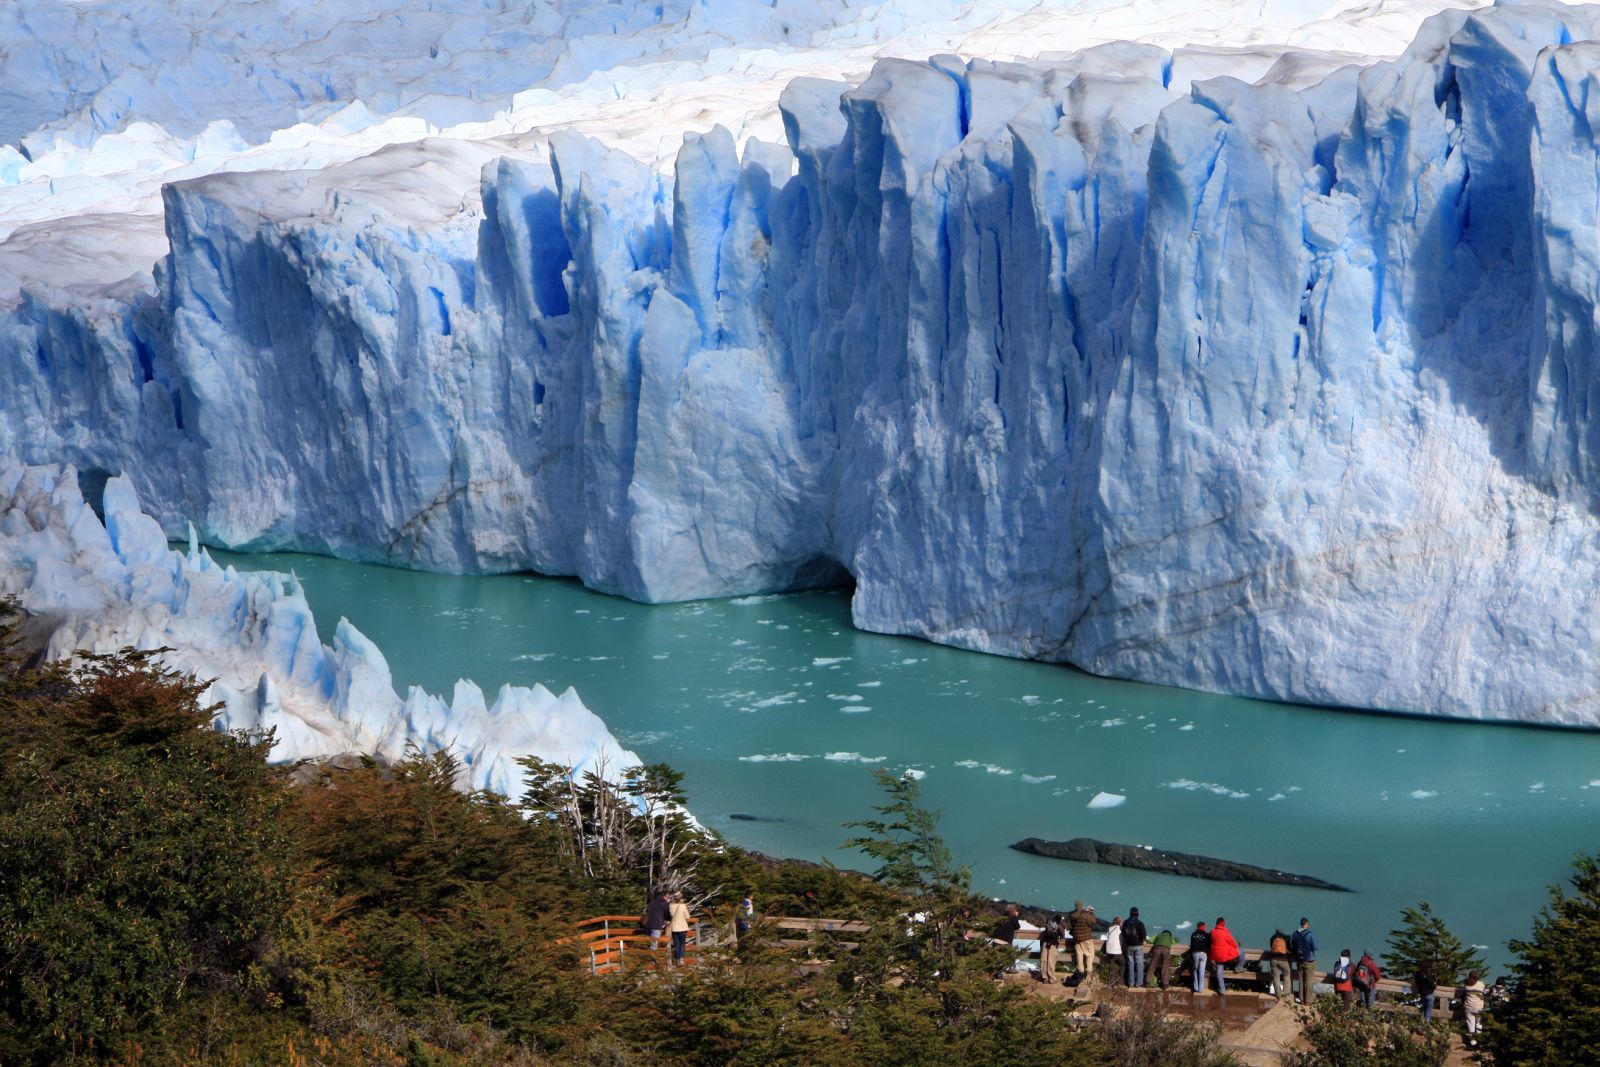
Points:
(1088, 850)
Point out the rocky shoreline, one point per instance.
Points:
(1185, 864)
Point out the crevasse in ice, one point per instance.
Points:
(1280, 387)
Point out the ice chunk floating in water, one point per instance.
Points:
(102, 587)
(1263, 372)
(1106, 800)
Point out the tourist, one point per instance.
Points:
(1278, 961)
(744, 916)
(1161, 957)
(1005, 931)
(1081, 926)
(1223, 952)
(1472, 1004)
(1303, 946)
(1425, 986)
(1343, 979)
(1114, 949)
(1366, 979)
(657, 913)
(679, 924)
(1199, 945)
(1133, 938)
(1049, 945)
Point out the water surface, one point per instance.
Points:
(775, 707)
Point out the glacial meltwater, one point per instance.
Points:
(776, 709)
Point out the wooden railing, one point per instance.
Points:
(612, 945)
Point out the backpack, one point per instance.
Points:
(1364, 975)
(1280, 947)
(1341, 970)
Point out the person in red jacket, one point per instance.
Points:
(1224, 950)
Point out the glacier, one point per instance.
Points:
(1257, 366)
(92, 586)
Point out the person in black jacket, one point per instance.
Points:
(1133, 938)
(1199, 946)
(1424, 985)
(656, 916)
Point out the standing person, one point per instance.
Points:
(1278, 960)
(1425, 986)
(1133, 938)
(1049, 945)
(1081, 925)
(657, 914)
(680, 928)
(1224, 951)
(1343, 977)
(1161, 957)
(744, 917)
(1114, 949)
(1199, 945)
(1005, 931)
(1472, 1003)
(1304, 948)
(1367, 976)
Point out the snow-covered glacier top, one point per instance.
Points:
(1248, 349)
(103, 101)
(99, 587)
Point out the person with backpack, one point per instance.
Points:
(1303, 946)
(1342, 977)
(1049, 945)
(1366, 978)
(1224, 952)
(1199, 945)
(1133, 937)
(1278, 961)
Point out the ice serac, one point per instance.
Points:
(99, 587)
(1265, 372)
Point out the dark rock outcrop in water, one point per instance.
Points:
(1088, 850)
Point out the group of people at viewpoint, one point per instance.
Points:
(1213, 953)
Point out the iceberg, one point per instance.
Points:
(1257, 368)
(98, 587)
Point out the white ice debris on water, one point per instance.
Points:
(1105, 800)
(1241, 347)
(98, 587)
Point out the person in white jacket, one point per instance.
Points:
(1114, 949)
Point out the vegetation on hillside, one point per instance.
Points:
(170, 897)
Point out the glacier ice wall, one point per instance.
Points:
(1280, 388)
(99, 587)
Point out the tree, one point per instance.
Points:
(1552, 1015)
(1423, 938)
(1341, 1036)
(910, 853)
(144, 854)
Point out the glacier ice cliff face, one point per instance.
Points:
(1281, 388)
(100, 587)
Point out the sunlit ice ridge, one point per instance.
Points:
(1183, 343)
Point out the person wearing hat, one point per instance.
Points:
(1080, 924)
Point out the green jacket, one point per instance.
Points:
(1164, 939)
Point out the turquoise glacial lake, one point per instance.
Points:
(774, 707)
